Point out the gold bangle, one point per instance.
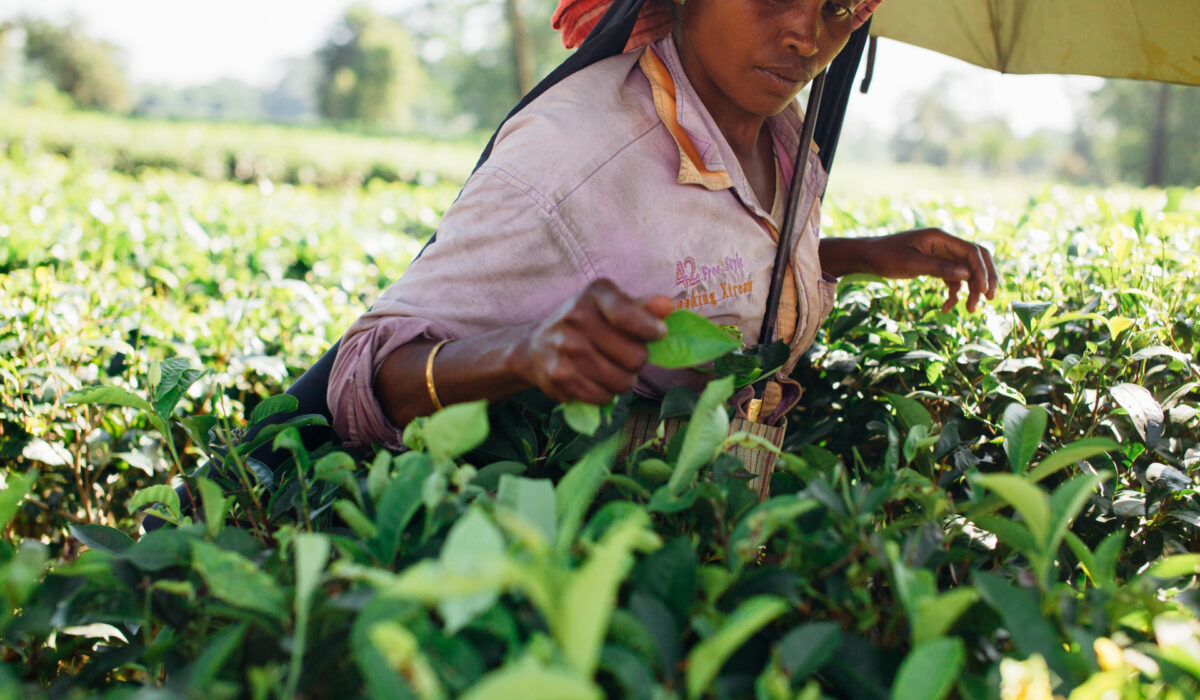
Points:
(437, 404)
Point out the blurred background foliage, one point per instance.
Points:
(455, 68)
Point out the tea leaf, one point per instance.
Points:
(1144, 411)
(456, 429)
(1072, 453)
(102, 537)
(159, 493)
(237, 581)
(1025, 497)
(530, 680)
(532, 499)
(591, 591)
(710, 655)
(1023, 430)
(691, 340)
(281, 403)
(109, 395)
(584, 418)
(805, 649)
(473, 548)
(705, 433)
(576, 490)
(930, 670)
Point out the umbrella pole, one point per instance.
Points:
(783, 252)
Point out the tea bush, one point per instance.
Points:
(996, 504)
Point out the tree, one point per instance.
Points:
(483, 73)
(1145, 132)
(370, 72)
(85, 69)
(931, 131)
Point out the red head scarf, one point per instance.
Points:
(575, 18)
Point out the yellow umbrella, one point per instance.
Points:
(1145, 39)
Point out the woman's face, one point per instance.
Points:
(749, 58)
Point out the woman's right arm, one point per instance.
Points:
(590, 349)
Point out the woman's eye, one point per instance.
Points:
(837, 10)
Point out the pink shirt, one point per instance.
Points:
(598, 177)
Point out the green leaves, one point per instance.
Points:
(930, 670)
(709, 655)
(590, 594)
(1072, 453)
(584, 418)
(691, 340)
(102, 537)
(1023, 430)
(1031, 632)
(108, 395)
(473, 549)
(704, 435)
(282, 403)
(16, 486)
(454, 430)
(160, 494)
(237, 581)
(532, 680)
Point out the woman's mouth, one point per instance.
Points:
(788, 80)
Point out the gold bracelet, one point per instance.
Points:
(437, 404)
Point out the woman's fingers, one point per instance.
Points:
(623, 313)
(595, 345)
(958, 257)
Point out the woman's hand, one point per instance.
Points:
(590, 349)
(927, 251)
(593, 347)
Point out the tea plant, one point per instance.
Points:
(988, 505)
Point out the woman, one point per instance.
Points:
(646, 182)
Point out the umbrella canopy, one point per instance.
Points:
(1149, 40)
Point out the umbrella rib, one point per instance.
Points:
(994, 19)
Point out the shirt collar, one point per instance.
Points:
(705, 157)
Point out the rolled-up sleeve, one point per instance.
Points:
(503, 256)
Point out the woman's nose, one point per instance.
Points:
(802, 27)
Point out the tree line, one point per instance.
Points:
(455, 66)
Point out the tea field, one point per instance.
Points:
(998, 504)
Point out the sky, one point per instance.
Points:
(187, 43)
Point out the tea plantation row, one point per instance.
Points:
(989, 505)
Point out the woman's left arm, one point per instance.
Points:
(927, 251)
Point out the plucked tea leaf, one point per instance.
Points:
(691, 340)
(583, 418)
